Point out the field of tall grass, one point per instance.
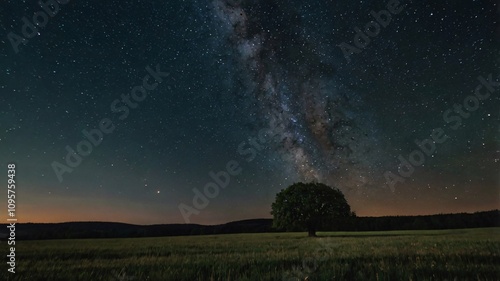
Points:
(466, 254)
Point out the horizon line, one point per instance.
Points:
(119, 222)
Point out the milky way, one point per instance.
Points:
(237, 67)
(286, 80)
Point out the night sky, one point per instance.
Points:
(270, 92)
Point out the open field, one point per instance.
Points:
(466, 254)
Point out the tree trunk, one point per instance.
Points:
(312, 232)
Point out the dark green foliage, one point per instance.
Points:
(308, 206)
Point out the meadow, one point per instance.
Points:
(464, 254)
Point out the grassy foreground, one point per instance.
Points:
(468, 254)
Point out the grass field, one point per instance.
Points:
(467, 254)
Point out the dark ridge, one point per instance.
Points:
(73, 230)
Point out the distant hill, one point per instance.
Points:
(35, 231)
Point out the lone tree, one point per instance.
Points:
(308, 206)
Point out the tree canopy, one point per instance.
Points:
(308, 206)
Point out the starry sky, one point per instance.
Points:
(264, 92)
